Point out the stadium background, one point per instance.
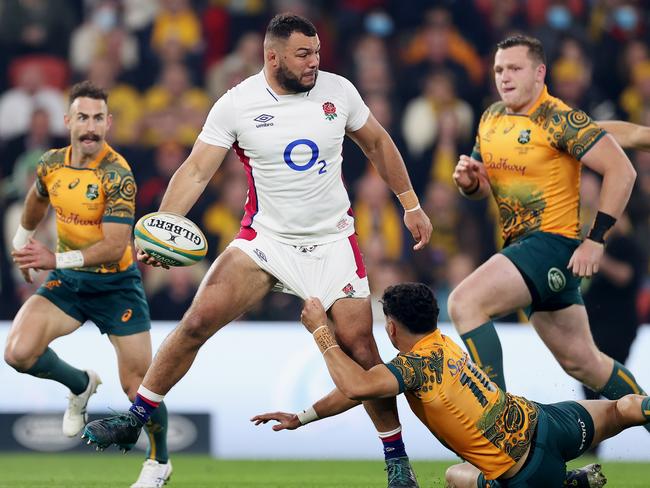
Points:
(423, 67)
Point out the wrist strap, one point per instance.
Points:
(473, 190)
(22, 237)
(70, 259)
(409, 200)
(602, 223)
(307, 415)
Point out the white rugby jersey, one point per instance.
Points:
(291, 148)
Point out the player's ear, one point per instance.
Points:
(540, 72)
(391, 328)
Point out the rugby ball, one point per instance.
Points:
(170, 239)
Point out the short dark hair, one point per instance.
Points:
(88, 90)
(534, 45)
(413, 305)
(283, 25)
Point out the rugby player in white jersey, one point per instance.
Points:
(287, 126)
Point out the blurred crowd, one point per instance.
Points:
(423, 67)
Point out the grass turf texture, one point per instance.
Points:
(105, 470)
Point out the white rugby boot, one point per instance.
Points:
(75, 416)
(153, 474)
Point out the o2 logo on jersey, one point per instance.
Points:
(314, 156)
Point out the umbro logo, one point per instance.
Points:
(264, 120)
(260, 255)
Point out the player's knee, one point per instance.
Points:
(578, 367)
(628, 409)
(452, 476)
(361, 347)
(459, 306)
(195, 329)
(18, 358)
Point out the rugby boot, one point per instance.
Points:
(589, 476)
(400, 473)
(122, 430)
(153, 474)
(75, 416)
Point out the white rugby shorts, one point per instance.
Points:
(327, 271)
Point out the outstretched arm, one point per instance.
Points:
(331, 404)
(191, 178)
(349, 377)
(627, 134)
(353, 383)
(380, 149)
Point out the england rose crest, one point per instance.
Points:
(330, 110)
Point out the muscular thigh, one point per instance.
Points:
(38, 323)
(231, 287)
(352, 318)
(496, 287)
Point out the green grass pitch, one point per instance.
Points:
(106, 470)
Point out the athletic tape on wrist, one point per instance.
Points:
(70, 259)
(22, 237)
(413, 209)
(324, 338)
(409, 200)
(307, 415)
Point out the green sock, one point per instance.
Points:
(156, 429)
(485, 350)
(51, 367)
(645, 408)
(620, 383)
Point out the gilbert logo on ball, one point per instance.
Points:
(170, 239)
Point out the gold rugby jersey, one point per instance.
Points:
(467, 412)
(532, 161)
(84, 198)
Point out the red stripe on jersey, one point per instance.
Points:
(250, 209)
(358, 258)
(246, 233)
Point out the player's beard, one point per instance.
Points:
(290, 82)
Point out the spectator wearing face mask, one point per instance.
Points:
(103, 35)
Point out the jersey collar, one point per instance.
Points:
(542, 97)
(93, 164)
(279, 97)
(435, 335)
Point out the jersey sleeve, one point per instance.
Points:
(219, 127)
(357, 109)
(409, 371)
(577, 133)
(476, 150)
(119, 189)
(41, 171)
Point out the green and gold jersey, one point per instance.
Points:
(532, 161)
(459, 404)
(84, 198)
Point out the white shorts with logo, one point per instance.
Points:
(327, 271)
